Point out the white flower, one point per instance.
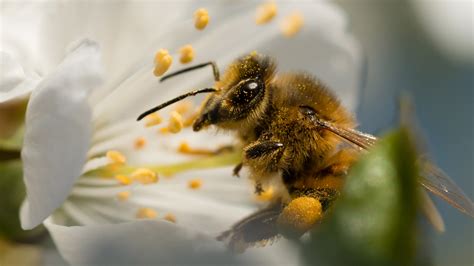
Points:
(80, 111)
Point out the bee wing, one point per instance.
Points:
(432, 178)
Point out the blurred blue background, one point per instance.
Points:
(402, 55)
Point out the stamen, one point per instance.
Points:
(187, 54)
(201, 18)
(299, 216)
(266, 195)
(163, 61)
(116, 157)
(176, 122)
(146, 213)
(292, 24)
(123, 180)
(123, 195)
(140, 143)
(195, 183)
(144, 176)
(265, 13)
(170, 217)
(153, 120)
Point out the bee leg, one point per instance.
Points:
(260, 149)
(237, 169)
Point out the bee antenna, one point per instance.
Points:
(177, 99)
(215, 71)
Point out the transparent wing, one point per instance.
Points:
(432, 178)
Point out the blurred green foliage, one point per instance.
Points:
(12, 192)
(375, 220)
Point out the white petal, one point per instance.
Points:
(57, 133)
(14, 82)
(156, 243)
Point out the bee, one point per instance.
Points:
(294, 130)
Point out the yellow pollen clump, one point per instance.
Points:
(187, 54)
(140, 143)
(144, 176)
(299, 216)
(292, 24)
(195, 183)
(164, 130)
(265, 13)
(170, 217)
(183, 107)
(153, 120)
(123, 179)
(176, 122)
(116, 157)
(190, 119)
(163, 61)
(266, 195)
(201, 18)
(123, 195)
(146, 213)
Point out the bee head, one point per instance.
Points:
(241, 93)
(237, 98)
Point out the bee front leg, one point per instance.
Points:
(237, 169)
(264, 148)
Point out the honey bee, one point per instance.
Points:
(294, 130)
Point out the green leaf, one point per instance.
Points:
(374, 221)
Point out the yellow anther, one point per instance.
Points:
(299, 216)
(144, 176)
(176, 122)
(164, 130)
(170, 217)
(163, 61)
(123, 179)
(116, 157)
(140, 143)
(195, 183)
(187, 54)
(146, 213)
(265, 13)
(123, 195)
(183, 107)
(201, 18)
(153, 120)
(292, 24)
(186, 149)
(266, 195)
